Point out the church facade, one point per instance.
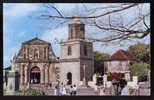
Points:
(36, 62)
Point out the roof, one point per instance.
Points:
(35, 41)
(77, 20)
(122, 55)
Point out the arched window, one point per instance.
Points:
(69, 50)
(85, 51)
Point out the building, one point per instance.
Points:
(37, 64)
(119, 62)
(76, 59)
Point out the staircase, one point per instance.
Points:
(86, 91)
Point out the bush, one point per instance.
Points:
(31, 92)
(4, 91)
(140, 70)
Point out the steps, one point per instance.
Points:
(86, 91)
(50, 90)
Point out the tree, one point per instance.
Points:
(109, 18)
(99, 61)
(140, 70)
(141, 51)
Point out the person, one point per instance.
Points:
(102, 91)
(50, 85)
(125, 90)
(57, 87)
(71, 90)
(121, 84)
(113, 90)
(95, 89)
(61, 89)
(74, 90)
(64, 90)
(55, 91)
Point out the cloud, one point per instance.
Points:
(21, 34)
(19, 10)
(58, 33)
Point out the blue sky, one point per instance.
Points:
(21, 23)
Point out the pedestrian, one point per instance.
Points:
(55, 91)
(74, 90)
(63, 90)
(71, 90)
(113, 90)
(102, 91)
(125, 90)
(95, 89)
(121, 84)
(57, 87)
(50, 85)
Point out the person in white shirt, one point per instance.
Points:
(102, 91)
(74, 90)
(71, 90)
(125, 90)
(95, 89)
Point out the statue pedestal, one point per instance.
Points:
(13, 81)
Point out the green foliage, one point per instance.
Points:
(4, 91)
(141, 51)
(31, 92)
(26, 92)
(140, 70)
(99, 61)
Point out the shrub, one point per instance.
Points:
(140, 70)
(31, 92)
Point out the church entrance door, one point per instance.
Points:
(35, 75)
(69, 78)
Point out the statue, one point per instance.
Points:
(13, 63)
(13, 77)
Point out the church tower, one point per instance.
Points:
(76, 29)
(76, 55)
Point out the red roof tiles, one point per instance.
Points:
(122, 55)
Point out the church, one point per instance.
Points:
(37, 64)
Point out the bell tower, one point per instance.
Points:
(76, 29)
(75, 53)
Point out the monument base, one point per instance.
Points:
(13, 81)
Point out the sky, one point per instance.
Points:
(21, 23)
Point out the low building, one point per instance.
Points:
(120, 62)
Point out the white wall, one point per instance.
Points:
(74, 68)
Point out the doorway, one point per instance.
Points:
(69, 78)
(35, 75)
